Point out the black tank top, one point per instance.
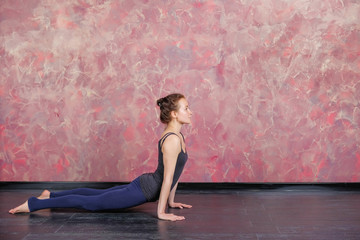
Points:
(151, 182)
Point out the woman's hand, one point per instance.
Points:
(179, 205)
(170, 217)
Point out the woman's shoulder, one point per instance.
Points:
(170, 140)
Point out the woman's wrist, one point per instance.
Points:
(161, 214)
(171, 203)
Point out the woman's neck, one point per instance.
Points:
(173, 127)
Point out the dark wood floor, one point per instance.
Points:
(294, 212)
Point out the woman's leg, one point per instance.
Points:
(125, 197)
(85, 191)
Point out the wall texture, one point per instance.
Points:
(274, 87)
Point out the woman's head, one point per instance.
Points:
(172, 106)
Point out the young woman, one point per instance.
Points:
(160, 185)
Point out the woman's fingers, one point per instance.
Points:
(178, 218)
(180, 205)
(183, 205)
(186, 205)
(171, 217)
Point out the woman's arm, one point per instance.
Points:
(172, 196)
(171, 199)
(171, 149)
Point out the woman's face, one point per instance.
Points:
(183, 114)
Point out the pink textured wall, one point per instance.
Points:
(274, 87)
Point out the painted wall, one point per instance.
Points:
(274, 87)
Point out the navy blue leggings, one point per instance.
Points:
(118, 197)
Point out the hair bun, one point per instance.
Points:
(160, 102)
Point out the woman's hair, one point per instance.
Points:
(167, 105)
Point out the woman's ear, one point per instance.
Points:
(173, 115)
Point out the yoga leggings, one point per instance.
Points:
(118, 197)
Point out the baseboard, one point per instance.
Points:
(183, 185)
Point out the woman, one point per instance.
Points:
(160, 185)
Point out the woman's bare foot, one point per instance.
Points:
(44, 195)
(23, 208)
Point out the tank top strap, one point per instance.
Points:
(162, 140)
(182, 136)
